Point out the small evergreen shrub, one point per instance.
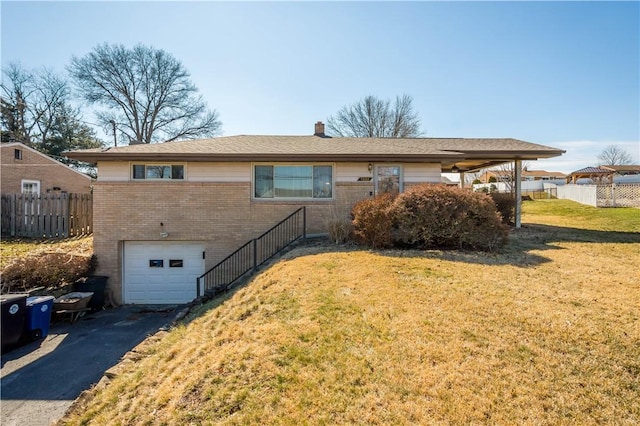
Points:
(372, 221)
(506, 206)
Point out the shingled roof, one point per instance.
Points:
(467, 153)
(627, 169)
(591, 171)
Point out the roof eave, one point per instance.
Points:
(194, 157)
(94, 157)
(515, 154)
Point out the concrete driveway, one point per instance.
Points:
(39, 381)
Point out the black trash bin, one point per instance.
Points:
(97, 285)
(13, 318)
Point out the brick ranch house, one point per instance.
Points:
(191, 203)
(25, 170)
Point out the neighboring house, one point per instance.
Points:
(527, 175)
(604, 174)
(191, 203)
(25, 170)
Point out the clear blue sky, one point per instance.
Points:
(564, 74)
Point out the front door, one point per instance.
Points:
(388, 179)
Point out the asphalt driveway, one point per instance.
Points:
(39, 381)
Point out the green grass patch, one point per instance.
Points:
(580, 216)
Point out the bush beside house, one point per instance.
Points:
(430, 216)
(505, 204)
(373, 221)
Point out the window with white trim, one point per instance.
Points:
(157, 171)
(293, 181)
(30, 186)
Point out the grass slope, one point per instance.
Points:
(547, 332)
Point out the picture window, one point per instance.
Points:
(293, 181)
(158, 171)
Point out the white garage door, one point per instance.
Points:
(161, 272)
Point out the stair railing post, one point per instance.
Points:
(198, 287)
(255, 254)
(304, 222)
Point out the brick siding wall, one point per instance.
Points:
(33, 166)
(220, 215)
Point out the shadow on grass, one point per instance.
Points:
(518, 252)
(522, 242)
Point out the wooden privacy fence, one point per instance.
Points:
(47, 215)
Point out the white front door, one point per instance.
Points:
(161, 272)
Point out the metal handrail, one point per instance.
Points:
(254, 253)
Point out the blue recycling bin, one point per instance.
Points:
(38, 316)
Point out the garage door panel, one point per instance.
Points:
(161, 272)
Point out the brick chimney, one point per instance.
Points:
(319, 129)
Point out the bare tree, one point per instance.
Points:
(506, 173)
(472, 177)
(32, 101)
(18, 120)
(37, 111)
(376, 118)
(51, 103)
(614, 155)
(145, 91)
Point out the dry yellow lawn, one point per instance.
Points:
(12, 249)
(547, 332)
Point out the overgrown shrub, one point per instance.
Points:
(430, 216)
(338, 226)
(45, 270)
(373, 221)
(505, 204)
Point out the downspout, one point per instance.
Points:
(518, 201)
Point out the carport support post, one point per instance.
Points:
(518, 201)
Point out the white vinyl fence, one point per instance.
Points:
(527, 185)
(615, 195)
